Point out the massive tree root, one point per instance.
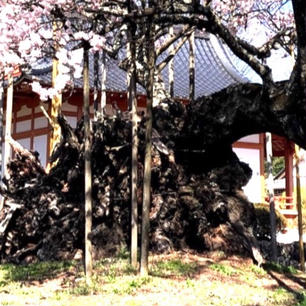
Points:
(197, 180)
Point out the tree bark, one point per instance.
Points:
(88, 176)
(270, 187)
(242, 110)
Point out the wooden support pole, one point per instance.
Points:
(146, 204)
(8, 123)
(1, 135)
(56, 103)
(1, 121)
(191, 68)
(96, 84)
(171, 68)
(103, 83)
(132, 99)
(88, 175)
(299, 208)
(270, 187)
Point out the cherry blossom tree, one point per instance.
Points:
(26, 36)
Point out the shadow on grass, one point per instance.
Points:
(32, 272)
(290, 273)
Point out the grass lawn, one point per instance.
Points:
(177, 279)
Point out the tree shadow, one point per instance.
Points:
(36, 272)
(300, 281)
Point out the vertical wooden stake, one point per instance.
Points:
(1, 135)
(171, 69)
(8, 123)
(56, 103)
(96, 84)
(103, 84)
(191, 68)
(299, 208)
(270, 187)
(88, 175)
(150, 59)
(132, 98)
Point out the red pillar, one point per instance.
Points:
(289, 168)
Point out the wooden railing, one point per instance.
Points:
(283, 203)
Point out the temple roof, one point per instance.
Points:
(216, 67)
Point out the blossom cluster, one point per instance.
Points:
(31, 30)
(271, 15)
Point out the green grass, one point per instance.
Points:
(173, 267)
(302, 299)
(272, 266)
(259, 271)
(224, 269)
(36, 271)
(174, 281)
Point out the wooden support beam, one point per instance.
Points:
(1, 134)
(103, 83)
(132, 101)
(191, 68)
(96, 84)
(8, 123)
(146, 202)
(56, 103)
(270, 187)
(299, 208)
(87, 172)
(171, 68)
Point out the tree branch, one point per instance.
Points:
(171, 40)
(172, 53)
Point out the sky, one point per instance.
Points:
(280, 62)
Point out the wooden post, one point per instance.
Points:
(103, 84)
(150, 59)
(88, 176)
(191, 68)
(299, 208)
(270, 187)
(171, 69)
(8, 123)
(96, 84)
(56, 103)
(1, 135)
(132, 98)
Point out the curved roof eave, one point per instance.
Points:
(216, 67)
